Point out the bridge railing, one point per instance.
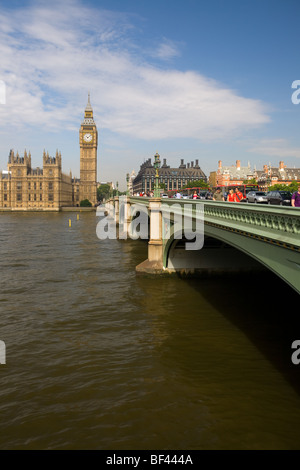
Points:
(278, 224)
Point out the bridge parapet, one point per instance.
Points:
(279, 224)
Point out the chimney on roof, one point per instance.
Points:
(265, 167)
(197, 164)
(192, 164)
(188, 165)
(238, 164)
(281, 165)
(220, 164)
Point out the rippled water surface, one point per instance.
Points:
(100, 358)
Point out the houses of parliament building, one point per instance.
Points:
(49, 189)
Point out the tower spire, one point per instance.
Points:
(88, 113)
(89, 106)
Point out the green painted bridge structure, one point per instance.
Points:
(236, 237)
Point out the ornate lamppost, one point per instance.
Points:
(156, 166)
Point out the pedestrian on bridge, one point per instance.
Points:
(218, 196)
(238, 195)
(231, 196)
(296, 198)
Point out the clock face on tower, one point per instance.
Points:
(87, 137)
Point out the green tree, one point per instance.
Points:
(85, 203)
(252, 181)
(196, 184)
(103, 192)
(292, 187)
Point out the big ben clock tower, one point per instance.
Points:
(88, 141)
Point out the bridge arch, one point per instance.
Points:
(215, 257)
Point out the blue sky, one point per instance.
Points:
(193, 79)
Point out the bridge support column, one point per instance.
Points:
(125, 221)
(116, 204)
(109, 206)
(154, 263)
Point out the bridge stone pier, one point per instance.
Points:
(154, 262)
(236, 237)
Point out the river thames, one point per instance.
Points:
(100, 358)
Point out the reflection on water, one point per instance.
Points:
(99, 358)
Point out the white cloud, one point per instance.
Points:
(275, 148)
(166, 50)
(52, 55)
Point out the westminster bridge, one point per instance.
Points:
(211, 237)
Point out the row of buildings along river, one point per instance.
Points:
(49, 188)
(176, 178)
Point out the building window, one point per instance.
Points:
(34, 186)
(5, 186)
(34, 197)
(28, 197)
(19, 197)
(41, 197)
(28, 185)
(19, 186)
(50, 197)
(5, 197)
(50, 187)
(50, 172)
(41, 186)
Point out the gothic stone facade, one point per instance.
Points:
(25, 188)
(48, 189)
